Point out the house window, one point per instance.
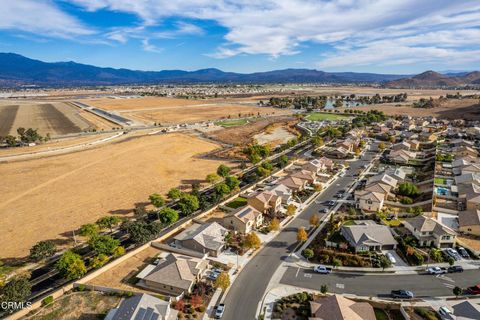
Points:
(445, 237)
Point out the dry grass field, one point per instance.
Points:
(46, 198)
(172, 110)
(55, 118)
(450, 109)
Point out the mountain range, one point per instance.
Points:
(17, 70)
(432, 79)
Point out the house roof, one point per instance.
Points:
(304, 174)
(427, 224)
(469, 191)
(403, 154)
(378, 187)
(467, 178)
(370, 195)
(383, 178)
(469, 218)
(466, 310)
(177, 270)
(245, 214)
(337, 307)
(292, 182)
(209, 235)
(369, 234)
(143, 307)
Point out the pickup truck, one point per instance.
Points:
(401, 294)
(322, 269)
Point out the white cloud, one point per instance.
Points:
(147, 46)
(40, 17)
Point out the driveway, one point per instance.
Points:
(400, 262)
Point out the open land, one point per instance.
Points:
(318, 116)
(449, 109)
(172, 110)
(54, 195)
(55, 118)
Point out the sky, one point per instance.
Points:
(381, 36)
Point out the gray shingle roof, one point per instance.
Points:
(142, 307)
(209, 235)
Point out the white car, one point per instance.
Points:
(444, 311)
(436, 270)
(391, 257)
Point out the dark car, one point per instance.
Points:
(463, 252)
(401, 294)
(454, 269)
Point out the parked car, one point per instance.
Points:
(391, 257)
(463, 252)
(436, 270)
(454, 269)
(324, 210)
(474, 289)
(453, 253)
(322, 269)
(444, 311)
(220, 310)
(342, 174)
(402, 294)
(331, 203)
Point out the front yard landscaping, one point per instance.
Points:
(237, 203)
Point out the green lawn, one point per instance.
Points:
(237, 203)
(380, 314)
(318, 116)
(232, 122)
(440, 181)
(349, 223)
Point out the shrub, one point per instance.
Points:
(48, 300)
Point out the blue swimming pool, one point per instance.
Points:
(442, 191)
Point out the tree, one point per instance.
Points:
(381, 146)
(338, 103)
(274, 225)
(323, 288)
(157, 200)
(223, 170)
(108, 222)
(103, 244)
(232, 182)
(196, 300)
(317, 141)
(222, 281)
(252, 241)
(42, 250)
(119, 251)
(436, 255)
(451, 261)
(174, 194)
(141, 232)
(302, 235)
(291, 209)
(71, 265)
(408, 189)
(89, 230)
(222, 189)
(336, 262)
(314, 220)
(385, 262)
(212, 178)
(17, 289)
(98, 261)
(188, 204)
(10, 140)
(282, 161)
(168, 215)
(457, 291)
(262, 172)
(308, 253)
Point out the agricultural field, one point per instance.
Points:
(55, 118)
(170, 110)
(54, 195)
(231, 123)
(318, 116)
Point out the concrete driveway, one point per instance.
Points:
(400, 262)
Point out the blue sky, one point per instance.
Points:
(387, 36)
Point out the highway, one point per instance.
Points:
(250, 285)
(380, 285)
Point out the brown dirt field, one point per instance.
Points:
(89, 305)
(450, 109)
(7, 117)
(52, 196)
(118, 276)
(56, 118)
(99, 123)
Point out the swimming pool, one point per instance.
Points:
(442, 191)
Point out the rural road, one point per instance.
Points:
(249, 287)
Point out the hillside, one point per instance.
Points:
(18, 70)
(432, 79)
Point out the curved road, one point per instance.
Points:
(249, 287)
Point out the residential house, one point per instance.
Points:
(337, 307)
(397, 173)
(430, 232)
(208, 238)
(265, 202)
(468, 195)
(401, 156)
(174, 274)
(428, 137)
(319, 165)
(244, 219)
(401, 146)
(379, 188)
(282, 191)
(464, 151)
(414, 144)
(293, 183)
(143, 307)
(465, 310)
(366, 235)
(384, 179)
(307, 175)
(369, 200)
(339, 152)
(469, 222)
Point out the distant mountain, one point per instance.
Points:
(16, 70)
(432, 79)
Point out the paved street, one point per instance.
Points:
(380, 285)
(248, 289)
